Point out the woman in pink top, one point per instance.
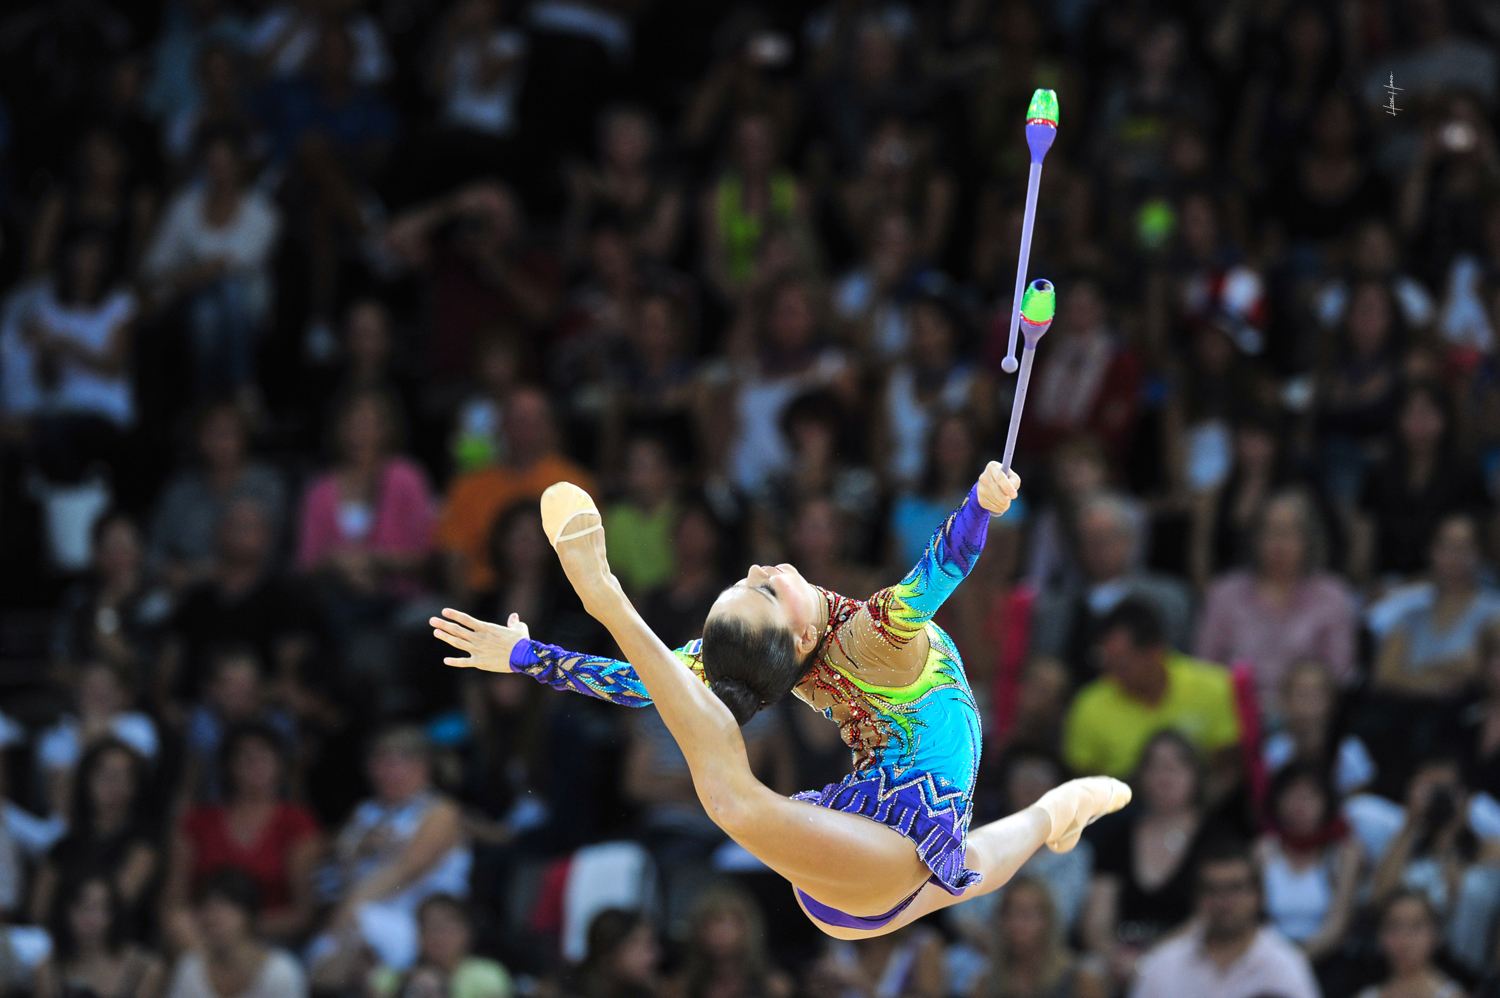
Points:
(368, 522)
(1285, 609)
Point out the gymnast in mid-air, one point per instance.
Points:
(891, 841)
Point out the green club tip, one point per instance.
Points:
(1039, 303)
(1043, 107)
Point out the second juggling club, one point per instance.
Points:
(1038, 305)
(1041, 129)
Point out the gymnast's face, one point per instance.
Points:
(775, 596)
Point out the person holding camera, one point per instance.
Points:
(1437, 853)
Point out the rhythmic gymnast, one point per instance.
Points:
(890, 842)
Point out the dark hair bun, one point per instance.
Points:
(742, 701)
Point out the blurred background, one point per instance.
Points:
(306, 302)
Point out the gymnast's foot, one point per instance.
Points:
(1079, 803)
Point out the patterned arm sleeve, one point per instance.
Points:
(901, 611)
(592, 675)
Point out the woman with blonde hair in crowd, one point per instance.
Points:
(1028, 957)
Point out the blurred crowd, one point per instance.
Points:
(306, 301)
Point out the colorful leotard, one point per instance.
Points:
(916, 747)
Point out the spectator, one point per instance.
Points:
(815, 542)
(366, 525)
(117, 616)
(777, 353)
(641, 521)
(677, 610)
(1436, 852)
(1409, 938)
(480, 271)
(1110, 546)
(653, 382)
(1145, 688)
(629, 180)
(726, 951)
(477, 498)
(91, 954)
(104, 696)
(242, 603)
(1421, 482)
(908, 962)
(1077, 471)
(1144, 859)
(1309, 864)
(1026, 774)
(255, 830)
(24, 838)
(105, 196)
(1432, 649)
(191, 507)
(1223, 536)
(230, 954)
(478, 437)
(752, 199)
(1356, 392)
(399, 847)
(475, 69)
(529, 580)
(108, 836)
(1479, 733)
(214, 100)
(899, 172)
(1087, 380)
(1286, 609)
(1028, 955)
(953, 459)
(621, 961)
(875, 299)
(929, 382)
(212, 255)
(1310, 731)
(284, 38)
(445, 949)
(1229, 954)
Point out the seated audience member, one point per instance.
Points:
(477, 498)
(477, 439)
(677, 610)
(1028, 952)
(185, 527)
(229, 957)
(1437, 852)
(529, 580)
(235, 695)
(1147, 688)
(104, 695)
(242, 603)
(445, 951)
(1069, 621)
(726, 950)
(212, 255)
(952, 461)
(907, 962)
(24, 838)
(90, 955)
(629, 179)
(1310, 734)
(1042, 700)
(1077, 470)
(108, 835)
(1027, 773)
(1431, 651)
(115, 615)
(1309, 861)
(621, 961)
(366, 525)
(399, 847)
(642, 519)
(1479, 725)
(1283, 610)
(1142, 885)
(1410, 936)
(1228, 953)
(815, 543)
(257, 830)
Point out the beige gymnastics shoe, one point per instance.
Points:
(562, 503)
(1079, 803)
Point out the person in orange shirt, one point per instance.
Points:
(475, 499)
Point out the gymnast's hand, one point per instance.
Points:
(488, 644)
(997, 488)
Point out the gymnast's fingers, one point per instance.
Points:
(448, 627)
(456, 640)
(461, 663)
(472, 623)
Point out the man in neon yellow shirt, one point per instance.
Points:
(1145, 688)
